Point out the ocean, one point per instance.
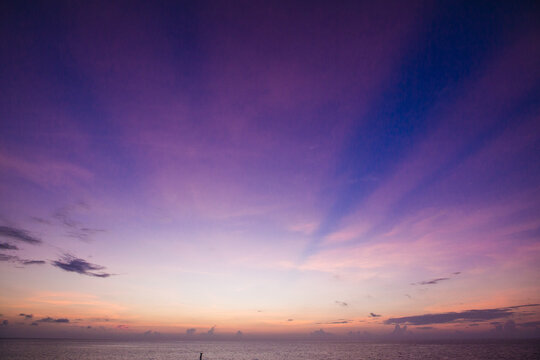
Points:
(18, 349)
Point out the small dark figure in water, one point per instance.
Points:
(200, 357)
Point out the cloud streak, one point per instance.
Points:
(16, 259)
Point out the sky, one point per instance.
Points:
(197, 170)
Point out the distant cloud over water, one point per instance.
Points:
(443, 318)
(320, 333)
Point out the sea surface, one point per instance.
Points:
(261, 350)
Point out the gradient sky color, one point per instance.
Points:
(320, 169)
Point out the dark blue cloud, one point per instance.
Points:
(374, 315)
(80, 266)
(26, 316)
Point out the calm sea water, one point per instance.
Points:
(261, 350)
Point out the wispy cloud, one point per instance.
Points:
(341, 303)
(374, 315)
(65, 217)
(190, 331)
(26, 316)
(436, 280)
(7, 246)
(70, 263)
(18, 234)
(430, 282)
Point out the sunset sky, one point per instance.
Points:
(246, 169)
